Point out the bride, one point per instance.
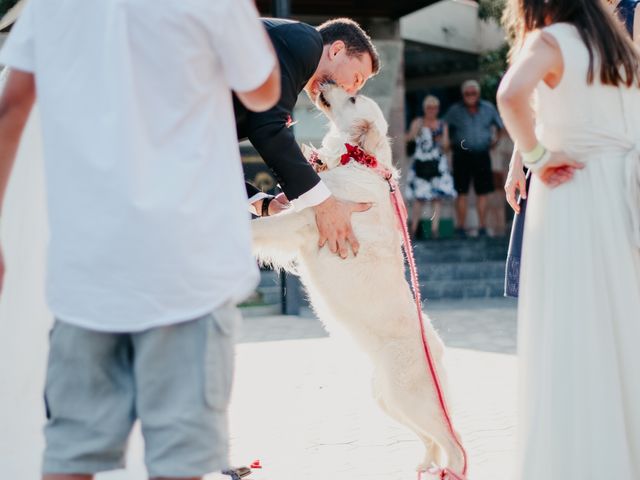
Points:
(579, 305)
(24, 316)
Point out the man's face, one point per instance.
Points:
(349, 72)
(471, 96)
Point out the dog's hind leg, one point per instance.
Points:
(408, 394)
(433, 452)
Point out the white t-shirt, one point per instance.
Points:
(147, 206)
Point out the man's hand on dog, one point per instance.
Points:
(333, 218)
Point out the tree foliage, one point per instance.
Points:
(492, 64)
(5, 6)
(491, 9)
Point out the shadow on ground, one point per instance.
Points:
(487, 325)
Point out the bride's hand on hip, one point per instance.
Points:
(559, 169)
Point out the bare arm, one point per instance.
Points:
(516, 181)
(265, 96)
(540, 61)
(15, 105)
(413, 130)
(446, 140)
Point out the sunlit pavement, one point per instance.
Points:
(302, 404)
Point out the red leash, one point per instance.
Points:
(401, 212)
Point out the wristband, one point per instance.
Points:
(539, 165)
(534, 156)
(265, 206)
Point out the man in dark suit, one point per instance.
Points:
(337, 51)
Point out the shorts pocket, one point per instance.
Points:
(220, 355)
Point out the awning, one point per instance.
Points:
(349, 8)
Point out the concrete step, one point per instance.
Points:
(466, 251)
(460, 256)
(436, 271)
(269, 287)
(481, 288)
(469, 242)
(451, 268)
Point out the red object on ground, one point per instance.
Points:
(255, 465)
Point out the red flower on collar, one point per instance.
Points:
(356, 153)
(317, 164)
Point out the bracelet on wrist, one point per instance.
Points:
(536, 158)
(265, 206)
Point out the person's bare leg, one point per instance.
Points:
(67, 476)
(481, 206)
(461, 211)
(416, 216)
(435, 219)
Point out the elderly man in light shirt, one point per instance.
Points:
(474, 128)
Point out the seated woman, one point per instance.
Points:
(428, 179)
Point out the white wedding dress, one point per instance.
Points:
(24, 317)
(579, 308)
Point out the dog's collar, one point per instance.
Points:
(357, 154)
(354, 152)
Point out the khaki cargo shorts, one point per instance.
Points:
(175, 379)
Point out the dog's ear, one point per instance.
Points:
(366, 135)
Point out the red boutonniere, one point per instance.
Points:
(290, 123)
(354, 152)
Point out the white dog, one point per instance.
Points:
(368, 293)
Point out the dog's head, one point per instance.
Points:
(359, 120)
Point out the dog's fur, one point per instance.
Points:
(368, 294)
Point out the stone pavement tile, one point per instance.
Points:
(302, 402)
(315, 418)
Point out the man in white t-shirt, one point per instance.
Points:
(149, 246)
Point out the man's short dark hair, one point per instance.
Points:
(354, 37)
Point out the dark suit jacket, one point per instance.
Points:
(298, 47)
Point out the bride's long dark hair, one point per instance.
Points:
(604, 36)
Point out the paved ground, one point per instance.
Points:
(302, 405)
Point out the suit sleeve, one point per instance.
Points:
(276, 144)
(251, 189)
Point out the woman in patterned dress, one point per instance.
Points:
(428, 179)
